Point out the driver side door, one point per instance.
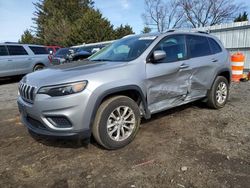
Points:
(168, 80)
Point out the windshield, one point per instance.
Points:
(126, 49)
(62, 52)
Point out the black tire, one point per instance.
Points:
(100, 130)
(38, 67)
(212, 100)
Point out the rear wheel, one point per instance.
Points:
(116, 123)
(218, 95)
(38, 67)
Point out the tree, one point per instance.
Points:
(27, 38)
(91, 27)
(162, 14)
(200, 13)
(146, 30)
(241, 18)
(71, 22)
(123, 31)
(55, 19)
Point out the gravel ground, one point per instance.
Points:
(189, 146)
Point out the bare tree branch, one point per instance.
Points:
(200, 13)
(163, 14)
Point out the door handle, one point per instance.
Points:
(214, 60)
(29, 59)
(9, 59)
(183, 66)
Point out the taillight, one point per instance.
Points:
(50, 58)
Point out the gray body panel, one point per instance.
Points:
(162, 86)
(12, 65)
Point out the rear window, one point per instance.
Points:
(215, 47)
(198, 46)
(3, 51)
(17, 50)
(38, 50)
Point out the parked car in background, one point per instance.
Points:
(62, 56)
(134, 77)
(92, 47)
(53, 49)
(19, 59)
(67, 55)
(80, 55)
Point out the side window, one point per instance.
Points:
(17, 50)
(37, 50)
(215, 47)
(198, 46)
(175, 48)
(3, 51)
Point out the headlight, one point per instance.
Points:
(64, 89)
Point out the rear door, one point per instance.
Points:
(5, 64)
(19, 60)
(168, 80)
(202, 63)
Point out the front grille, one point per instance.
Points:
(55, 61)
(27, 92)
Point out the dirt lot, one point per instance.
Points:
(190, 146)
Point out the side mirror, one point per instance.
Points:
(159, 55)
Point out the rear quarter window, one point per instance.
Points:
(198, 46)
(3, 51)
(215, 47)
(17, 50)
(38, 50)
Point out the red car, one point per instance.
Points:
(53, 49)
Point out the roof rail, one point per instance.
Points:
(187, 30)
(171, 30)
(204, 32)
(11, 43)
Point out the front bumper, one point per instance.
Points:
(82, 134)
(73, 108)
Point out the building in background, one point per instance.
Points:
(234, 36)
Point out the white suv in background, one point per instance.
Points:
(19, 59)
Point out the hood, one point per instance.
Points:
(68, 72)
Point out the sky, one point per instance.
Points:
(16, 15)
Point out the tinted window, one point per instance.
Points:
(17, 50)
(175, 48)
(62, 52)
(198, 46)
(3, 51)
(38, 50)
(215, 47)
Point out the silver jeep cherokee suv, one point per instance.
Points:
(134, 77)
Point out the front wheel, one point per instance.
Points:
(38, 67)
(116, 123)
(218, 94)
